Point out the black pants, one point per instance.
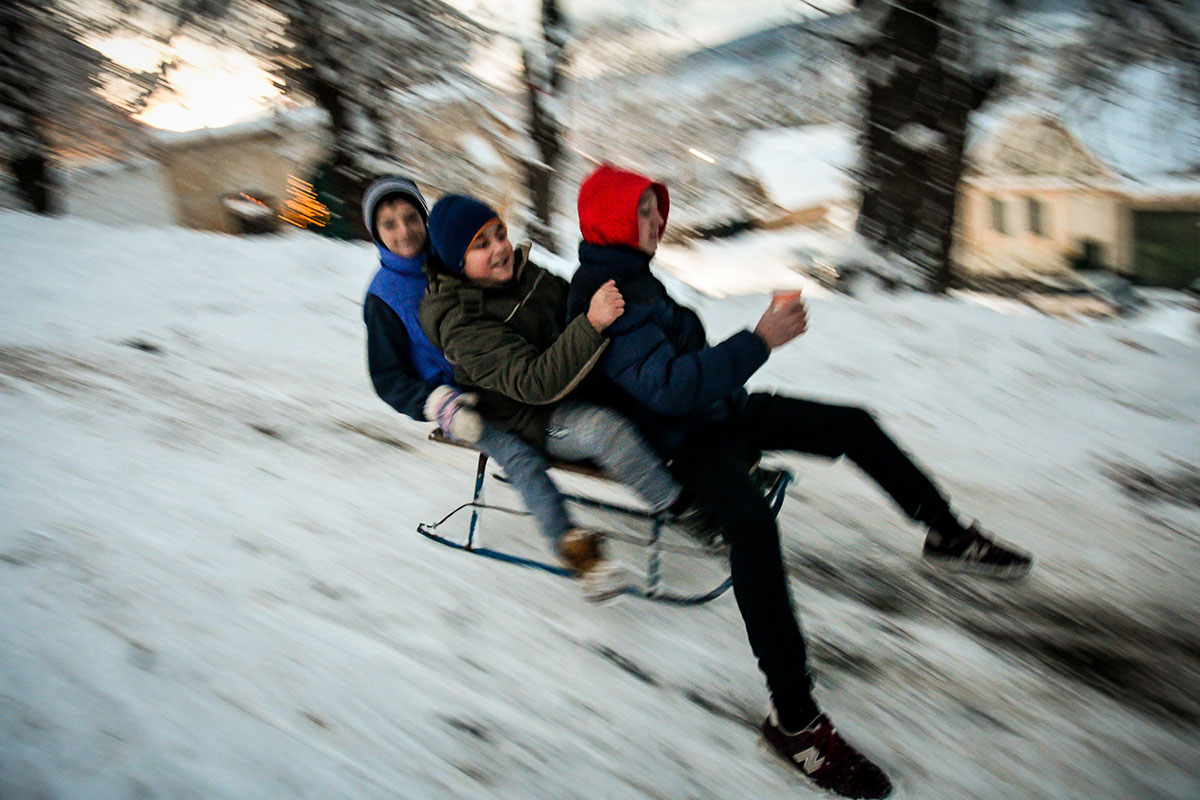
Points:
(712, 465)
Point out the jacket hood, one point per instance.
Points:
(608, 201)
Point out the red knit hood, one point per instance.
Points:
(608, 201)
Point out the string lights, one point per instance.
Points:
(303, 209)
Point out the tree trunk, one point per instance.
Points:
(543, 78)
(34, 181)
(348, 180)
(30, 156)
(919, 96)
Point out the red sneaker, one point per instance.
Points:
(827, 759)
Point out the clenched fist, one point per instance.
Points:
(607, 304)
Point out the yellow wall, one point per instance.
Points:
(203, 171)
(1068, 216)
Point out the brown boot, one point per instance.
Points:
(580, 550)
(601, 579)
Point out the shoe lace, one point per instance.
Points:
(828, 743)
(979, 543)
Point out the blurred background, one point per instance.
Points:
(210, 581)
(1044, 146)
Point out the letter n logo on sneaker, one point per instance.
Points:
(975, 552)
(810, 759)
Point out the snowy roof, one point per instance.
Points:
(802, 167)
(291, 119)
(1138, 126)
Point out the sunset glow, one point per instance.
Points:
(209, 88)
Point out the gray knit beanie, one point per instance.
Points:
(391, 187)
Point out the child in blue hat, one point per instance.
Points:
(410, 374)
(501, 321)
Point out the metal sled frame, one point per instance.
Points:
(775, 495)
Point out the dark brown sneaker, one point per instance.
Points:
(826, 759)
(974, 552)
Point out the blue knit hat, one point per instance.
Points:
(454, 222)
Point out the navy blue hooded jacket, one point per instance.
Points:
(659, 369)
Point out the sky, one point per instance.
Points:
(213, 87)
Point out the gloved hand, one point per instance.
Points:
(452, 411)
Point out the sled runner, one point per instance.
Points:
(774, 490)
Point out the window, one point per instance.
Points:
(998, 224)
(1037, 216)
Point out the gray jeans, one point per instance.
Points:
(526, 467)
(579, 431)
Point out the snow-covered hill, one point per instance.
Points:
(211, 586)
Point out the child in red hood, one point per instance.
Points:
(687, 397)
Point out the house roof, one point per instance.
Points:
(1139, 126)
(292, 119)
(802, 167)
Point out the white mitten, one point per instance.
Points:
(451, 410)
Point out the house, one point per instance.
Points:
(211, 169)
(446, 138)
(135, 190)
(1109, 180)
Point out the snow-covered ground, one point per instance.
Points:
(211, 586)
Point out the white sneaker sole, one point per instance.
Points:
(955, 565)
(609, 582)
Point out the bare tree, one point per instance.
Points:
(543, 66)
(925, 75)
(921, 90)
(50, 104)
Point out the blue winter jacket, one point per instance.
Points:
(405, 366)
(659, 369)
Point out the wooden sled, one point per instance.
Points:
(774, 491)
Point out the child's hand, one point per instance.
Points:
(782, 323)
(451, 410)
(607, 304)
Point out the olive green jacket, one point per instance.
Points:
(511, 344)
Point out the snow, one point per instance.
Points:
(212, 586)
(480, 153)
(916, 136)
(300, 118)
(134, 190)
(802, 167)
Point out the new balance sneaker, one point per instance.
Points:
(600, 579)
(975, 552)
(826, 759)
